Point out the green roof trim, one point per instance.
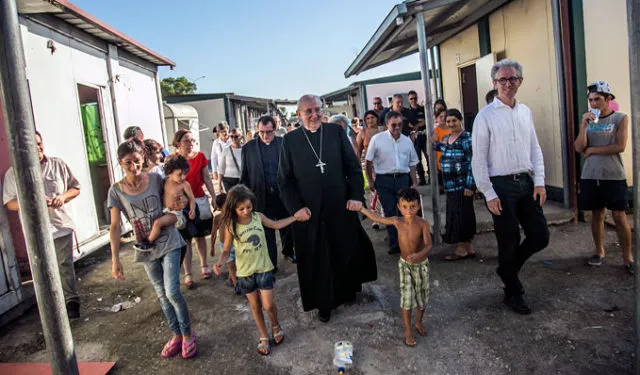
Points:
(413, 76)
(194, 97)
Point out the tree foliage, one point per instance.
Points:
(283, 110)
(177, 86)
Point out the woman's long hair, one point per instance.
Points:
(235, 196)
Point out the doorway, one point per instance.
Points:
(469, 88)
(91, 112)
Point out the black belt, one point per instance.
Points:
(514, 177)
(394, 175)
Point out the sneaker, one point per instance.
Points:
(375, 226)
(517, 303)
(595, 260)
(631, 268)
(73, 310)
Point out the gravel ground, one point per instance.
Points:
(582, 321)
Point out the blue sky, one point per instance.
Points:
(266, 48)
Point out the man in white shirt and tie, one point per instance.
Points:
(509, 170)
(392, 156)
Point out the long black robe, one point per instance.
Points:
(335, 255)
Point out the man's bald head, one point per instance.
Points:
(310, 111)
(309, 99)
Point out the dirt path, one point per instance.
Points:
(581, 324)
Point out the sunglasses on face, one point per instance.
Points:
(412, 99)
(395, 125)
(235, 136)
(512, 80)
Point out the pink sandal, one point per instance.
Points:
(171, 348)
(189, 349)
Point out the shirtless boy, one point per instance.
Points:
(175, 186)
(414, 238)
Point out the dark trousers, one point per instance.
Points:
(387, 187)
(516, 196)
(420, 145)
(229, 182)
(274, 209)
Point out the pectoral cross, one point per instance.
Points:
(321, 165)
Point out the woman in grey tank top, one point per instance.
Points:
(138, 197)
(603, 183)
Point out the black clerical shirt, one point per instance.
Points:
(269, 153)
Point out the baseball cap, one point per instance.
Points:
(601, 87)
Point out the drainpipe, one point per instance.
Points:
(428, 112)
(112, 70)
(557, 35)
(160, 110)
(20, 127)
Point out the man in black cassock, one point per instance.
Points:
(320, 178)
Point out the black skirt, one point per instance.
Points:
(461, 218)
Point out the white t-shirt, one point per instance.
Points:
(226, 164)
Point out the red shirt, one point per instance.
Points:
(194, 177)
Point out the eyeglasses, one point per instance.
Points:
(311, 111)
(188, 141)
(512, 80)
(395, 125)
(412, 98)
(265, 132)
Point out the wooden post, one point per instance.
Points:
(20, 127)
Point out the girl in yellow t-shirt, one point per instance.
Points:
(244, 230)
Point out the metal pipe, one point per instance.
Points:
(439, 73)
(557, 36)
(163, 125)
(434, 72)
(428, 113)
(633, 15)
(112, 57)
(33, 208)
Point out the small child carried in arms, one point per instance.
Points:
(175, 185)
(244, 230)
(218, 232)
(414, 238)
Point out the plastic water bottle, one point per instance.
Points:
(342, 355)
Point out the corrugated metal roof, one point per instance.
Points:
(397, 36)
(75, 16)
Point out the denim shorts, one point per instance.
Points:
(262, 281)
(232, 254)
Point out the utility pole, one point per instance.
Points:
(633, 15)
(428, 113)
(14, 94)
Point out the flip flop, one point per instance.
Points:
(171, 348)
(266, 346)
(277, 335)
(189, 349)
(206, 272)
(453, 257)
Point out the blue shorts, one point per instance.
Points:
(262, 281)
(232, 255)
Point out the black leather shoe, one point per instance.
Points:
(394, 250)
(324, 315)
(73, 310)
(517, 304)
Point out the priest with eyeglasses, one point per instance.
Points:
(320, 181)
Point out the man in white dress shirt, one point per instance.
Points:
(392, 156)
(508, 168)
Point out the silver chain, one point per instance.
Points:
(310, 145)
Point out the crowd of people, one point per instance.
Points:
(310, 186)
